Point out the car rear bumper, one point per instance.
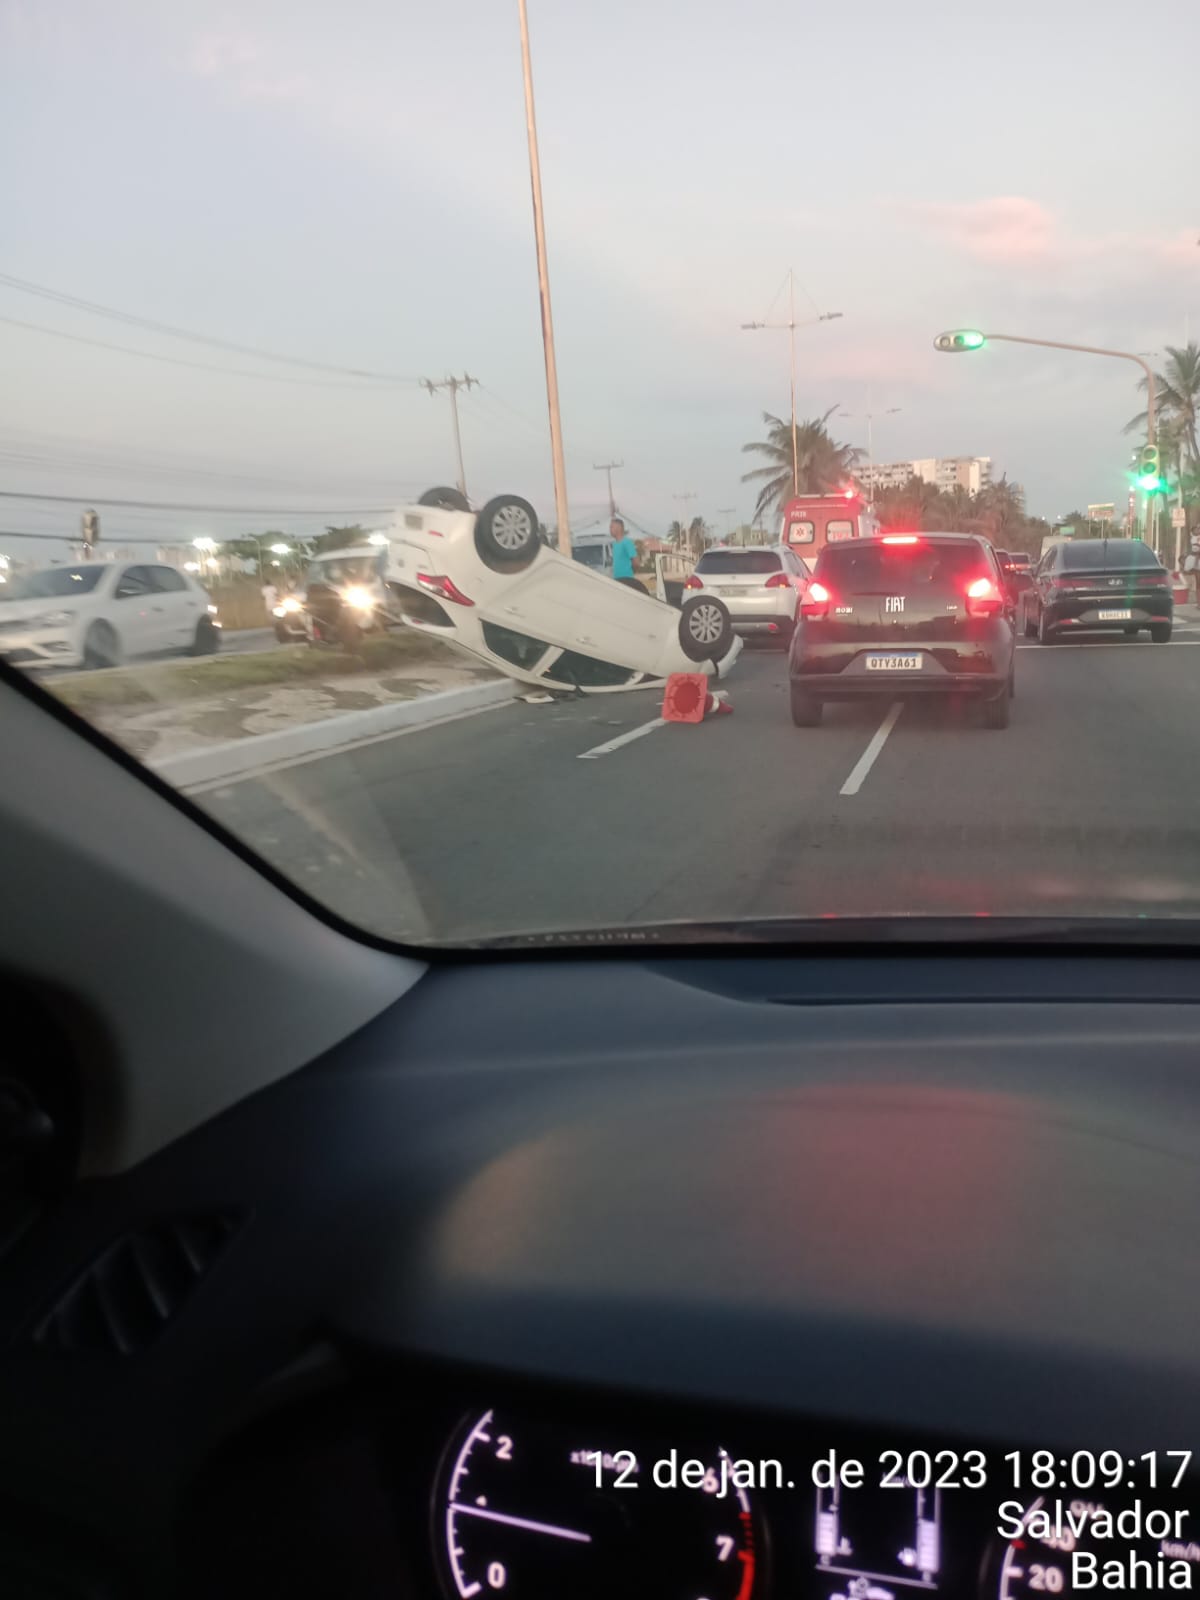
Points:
(841, 671)
(777, 626)
(1085, 616)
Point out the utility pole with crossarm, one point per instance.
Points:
(608, 467)
(454, 385)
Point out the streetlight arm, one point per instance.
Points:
(1093, 350)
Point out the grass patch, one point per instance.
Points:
(191, 679)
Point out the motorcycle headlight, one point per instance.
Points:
(289, 607)
(359, 598)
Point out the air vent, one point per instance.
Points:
(126, 1298)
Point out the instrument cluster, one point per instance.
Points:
(536, 1504)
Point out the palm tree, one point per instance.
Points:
(1177, 392)
(917, 505)
(823, 464)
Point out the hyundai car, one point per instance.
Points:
(1085, 586)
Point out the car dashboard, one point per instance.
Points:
(718, 1278)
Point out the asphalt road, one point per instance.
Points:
(523, 818)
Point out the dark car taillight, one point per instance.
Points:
(692, 582)
(1155, 580)
(778, 580)
(816, 601)
(984, 598)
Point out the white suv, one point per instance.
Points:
(762, 586)
(96, 613)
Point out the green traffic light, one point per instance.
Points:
(960, 339)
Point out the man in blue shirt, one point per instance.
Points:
(624, 551)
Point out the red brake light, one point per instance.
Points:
(444, 588)
(984, 598)
(1157, 580)
(692, 582)
(848, 494)
(900, 538)
(778, 580)
(816, 600)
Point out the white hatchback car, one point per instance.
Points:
(97, 613)
(762, 586)
(488, 586)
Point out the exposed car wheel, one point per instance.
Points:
(705, 630)
(806, 712)
(1160, 632)
(1030, 627)
(1044, 635)
(996, 711)
(445, 499)
(506, 534)
(208, 639)
(101, 647)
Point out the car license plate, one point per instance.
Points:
(909, 663)
(728, 590)
(1116, 616)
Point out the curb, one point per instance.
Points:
(241, 758)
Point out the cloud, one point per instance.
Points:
(239, 61)
(1006, 229)
(1016, 231)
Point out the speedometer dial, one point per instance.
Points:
(538, 1511)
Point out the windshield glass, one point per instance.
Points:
(877, 568)
(743, 561)
(540, 415)
(1108, 553)
(55, 583)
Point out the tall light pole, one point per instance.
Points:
(454, 385)
(791, 325)
(535, 177)
(608, 467)
(727, 511)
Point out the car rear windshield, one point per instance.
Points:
(1092, 553)
(742, 561)
(877, 568)
(56, 583)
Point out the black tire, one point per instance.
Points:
(1030, 628)
(998, 710)
(208, 639)
(101, 648)
(281, 633)
(506, 534)
(705, 629)
(1044, 636)
(806, 712)
(1160, 632)
(445, 500)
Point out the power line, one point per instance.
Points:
(182, 361)
(168, 505)
(128, 317)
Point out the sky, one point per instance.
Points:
(349, 185)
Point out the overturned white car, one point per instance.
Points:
(487, 584)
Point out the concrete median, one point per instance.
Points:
(242, 758)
